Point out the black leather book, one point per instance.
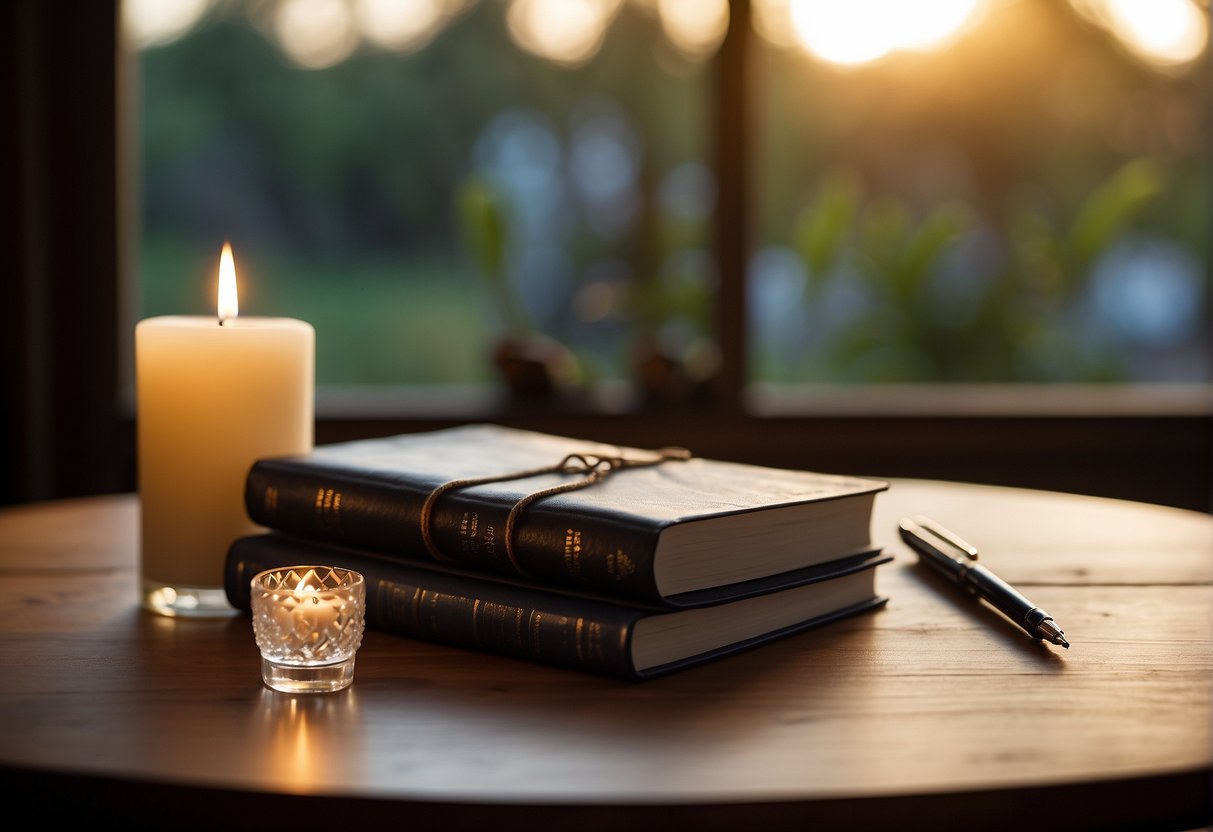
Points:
(682, 530)
(574, 630)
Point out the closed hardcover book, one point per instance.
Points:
(681, 531)
(573, 630)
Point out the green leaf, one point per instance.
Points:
(821, 231)
(941, 228)
(482, 223)
(1111, 208)
(883, 237)
(485, 230)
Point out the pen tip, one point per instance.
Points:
(1049, 631)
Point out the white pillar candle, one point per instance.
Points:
(213, 395)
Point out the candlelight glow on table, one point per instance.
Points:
(308, 622)
(214, 394)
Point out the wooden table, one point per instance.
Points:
(931, 713)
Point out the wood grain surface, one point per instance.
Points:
(934, 705)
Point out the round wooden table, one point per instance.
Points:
(933, 712)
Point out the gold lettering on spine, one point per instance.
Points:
(579, 634)
(469, 528)
(572, 552)
(620, 565)
(427, 601)
(270, 500)
(475, 537)
(328, 507)
(536, 619)
(621, 640)
(415, 609)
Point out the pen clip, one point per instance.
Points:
(946, 536)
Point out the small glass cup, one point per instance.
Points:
(308, 622)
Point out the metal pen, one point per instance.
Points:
(950, 555)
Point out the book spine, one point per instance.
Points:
(602, 554)
(477, 615)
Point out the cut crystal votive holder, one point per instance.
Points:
(308, 622)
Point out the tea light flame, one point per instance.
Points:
(309, 583)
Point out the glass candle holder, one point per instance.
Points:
(308, 622)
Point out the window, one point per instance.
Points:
(979, 192)
(764, 229)
(422, 180)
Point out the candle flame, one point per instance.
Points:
(229, 304)
(309, 583)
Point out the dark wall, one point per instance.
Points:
(60, 432)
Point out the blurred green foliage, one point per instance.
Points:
(485, 226)
(352, 196)
(985, 213)
(950, 211)
(906, 330)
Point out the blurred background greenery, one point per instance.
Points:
(986, 190)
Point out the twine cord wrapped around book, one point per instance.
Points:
(594, 467)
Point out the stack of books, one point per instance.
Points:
(614, 560)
